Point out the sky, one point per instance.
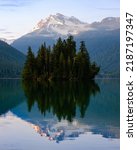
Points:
(18, 17)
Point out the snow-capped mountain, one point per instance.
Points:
(102, 38)
(51, 28)
(60, 25)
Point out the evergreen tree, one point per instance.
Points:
(41, 61)
(48, 65)
(29, 67)
(84, 61)
(62, 62)
(57, 49)
(71, 47)
(70, 53)
(61, 66)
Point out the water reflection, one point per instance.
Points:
(60, 98)
(66, 110)
(11, 95)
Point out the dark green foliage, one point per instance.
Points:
(62, 99)
(29, 67)
(11, 61)
(60, 63)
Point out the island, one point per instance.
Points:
(61, 62)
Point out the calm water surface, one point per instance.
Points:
(60, 116)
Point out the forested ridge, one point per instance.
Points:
(11, 61)
(62, 61)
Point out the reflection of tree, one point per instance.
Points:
(60, 98)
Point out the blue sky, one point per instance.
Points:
(18, 17)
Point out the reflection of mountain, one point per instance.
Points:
(60, 131)
(55, 26)
(61, 98)
(101, 116)
(100, 111)
(11, 95)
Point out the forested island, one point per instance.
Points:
(61, 62)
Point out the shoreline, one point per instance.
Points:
(94, 79)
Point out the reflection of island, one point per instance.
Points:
(100, 110)
(101, 115)
(61, 98)
(11, 94)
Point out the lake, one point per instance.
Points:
(60, 115)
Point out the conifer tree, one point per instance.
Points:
(60, 62)
(85, 61)
(41, 61)
(29, 67)
(71, 53)
(61, 66)
(48, 65)
(71, 46)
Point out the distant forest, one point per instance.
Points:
(61, 62)
(11, 61)
(9, 70)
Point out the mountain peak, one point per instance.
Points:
(59, 14)
(108, 23)
(60, 24)
(52, 19)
